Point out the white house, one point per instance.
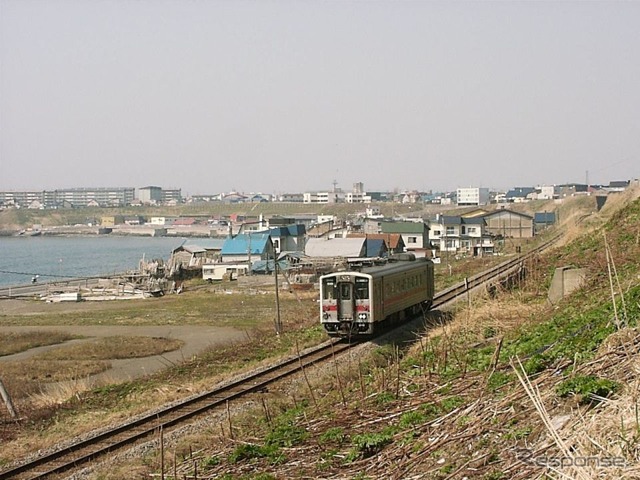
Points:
(472, 196)
(460, 234)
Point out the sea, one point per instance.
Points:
(55, 258)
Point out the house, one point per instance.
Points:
(111, 220)
(571, 189)
(259, 198)
(545, 192)
(415, 235)
(336, 247)
(291, 197)
(376, 247)
(234, 197)
(617, 185)
(290, 238)
(543, 219)
(519, 194)
(472, 196)
(247, 247)
(509, 224)
(162, 221)
(218, 271)
(393, 241)
(186, 256)
(133, 220)
(212, 246)
(451, 233)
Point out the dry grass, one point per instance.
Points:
(85, 406)
(112, 348)
(15, 342)
(73, 363)
(489, 317)
(237, 305)
(34, 372)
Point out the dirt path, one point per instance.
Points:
(195, 338)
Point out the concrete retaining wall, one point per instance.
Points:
(565, 280)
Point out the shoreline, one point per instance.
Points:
(116, 232)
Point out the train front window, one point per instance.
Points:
(329, 290)
(345, 291)
(362, 289)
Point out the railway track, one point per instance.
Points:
(490, 275)
(79, 454)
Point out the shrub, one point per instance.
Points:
(370, 443)
(586, 387)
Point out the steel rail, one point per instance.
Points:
(81, 452)
(486, 276)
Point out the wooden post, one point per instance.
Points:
(333, 354)
(229, 419)
(275, 273)
(7, 400)
(161, 453)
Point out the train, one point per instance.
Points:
(362, 302)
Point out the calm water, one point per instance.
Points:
(54, 258)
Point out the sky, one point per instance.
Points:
(290, 96)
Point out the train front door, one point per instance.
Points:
(346, 305)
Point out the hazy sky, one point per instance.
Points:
(286, 96)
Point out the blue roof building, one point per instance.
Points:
(247, 247)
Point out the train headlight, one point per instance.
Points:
(326, 316)
(362, 316)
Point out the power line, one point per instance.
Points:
(38, 274)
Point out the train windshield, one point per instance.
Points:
(329, 289)
(362, 289)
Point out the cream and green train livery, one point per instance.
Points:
(358, 303)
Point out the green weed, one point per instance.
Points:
(586, 387)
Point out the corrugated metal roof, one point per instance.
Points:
(240, 244)
(499, 213)
(288, 231)
(335, 247)
(297, 229)
(189, 248)
(376, 247)
(519, 192)
(207, 243)
(474, 221)
(392, 239)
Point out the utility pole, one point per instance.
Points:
(275, 273)
(4, 394)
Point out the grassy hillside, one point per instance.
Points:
(511, 388)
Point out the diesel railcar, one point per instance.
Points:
(359, 303)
